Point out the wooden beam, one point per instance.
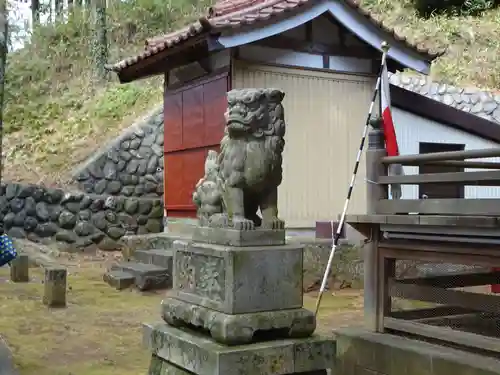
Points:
(309, 31)
(443, 156)
(456, 280)
(480, 178)
(430, 313)
(484, 255)
(445, 237)
(284, 42)
(459, 163)
(444, 334)
(468, 300)
(166, 60)
(371, 283)
(481, 207)
(483, 222)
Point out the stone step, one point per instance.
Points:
(158, 257)
(147, 276)
(119, 279)
(148, 242)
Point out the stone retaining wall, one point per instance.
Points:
(347, 267)
(131, 165)
(77, 219)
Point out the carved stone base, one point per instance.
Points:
(182, 352)
(241, 328)
(234, 237)
(238, 280)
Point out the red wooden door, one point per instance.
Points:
(193, 124)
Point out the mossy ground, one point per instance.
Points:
(99, 333)
(57, 115)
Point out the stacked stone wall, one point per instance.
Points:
(76, 219)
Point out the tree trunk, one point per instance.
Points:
(35, 12)
(3, 59)
(101, 40)
(59, 7)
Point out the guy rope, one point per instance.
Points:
(336, 236)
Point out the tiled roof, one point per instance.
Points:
(238, 13)
(485, 104)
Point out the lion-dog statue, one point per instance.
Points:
(245, 175)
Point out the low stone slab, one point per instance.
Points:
(200, 355)
(234, 237)
(241, 328)
(238, 280)
(158, 257)
(147, 276)
(119, 279)
(362, 352)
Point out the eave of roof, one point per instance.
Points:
(467, 109)
(235, 14)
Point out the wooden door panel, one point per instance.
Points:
(172, 121)
(194, 165)
(174, 185)
(193, 129)
(215, 103)
(194, 124)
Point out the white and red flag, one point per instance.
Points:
(391, 142)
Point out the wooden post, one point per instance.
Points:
(55, 287)
(375, 192)
(19, 269)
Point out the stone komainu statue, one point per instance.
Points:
(246, 174)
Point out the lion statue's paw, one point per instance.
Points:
(274, 223)
(241, 223)
(219, 221)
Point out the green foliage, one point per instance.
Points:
(114, 99)
(55, 107)
(426, 8)
(58, 62)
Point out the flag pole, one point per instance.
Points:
(385, 49)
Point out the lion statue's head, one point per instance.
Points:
(249, 111)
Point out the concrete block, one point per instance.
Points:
(55, 287)
(119, 279)
(19, 269)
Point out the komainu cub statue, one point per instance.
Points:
(244, 177)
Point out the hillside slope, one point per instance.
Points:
(56, 115)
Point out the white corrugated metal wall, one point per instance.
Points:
(412, 129)
(324, 126)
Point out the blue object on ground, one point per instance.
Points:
(7, 250)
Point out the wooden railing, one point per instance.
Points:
(438, 231)
(379, 181)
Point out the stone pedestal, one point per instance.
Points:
(180, 351)
(237, 310)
